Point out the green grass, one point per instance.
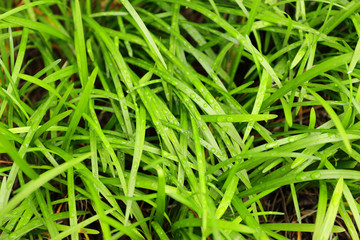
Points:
(173, 119)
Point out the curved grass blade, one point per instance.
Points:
(334, 117)
(138, 149)
(323, 233)
(144, 30)
(43, 179)
(238, 117)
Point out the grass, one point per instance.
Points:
(175, 119)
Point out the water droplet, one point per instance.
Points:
(271, 145)
(205, 105)
(192, 96)
(301, 177)
(315, 175)
(291, 139)
(229, 119)
(9, 185)
(203, 127)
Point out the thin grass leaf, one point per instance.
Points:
(72, 201)
(348, 222)
(296, 227)
(80, 43)
(43, 179)
(144, 30)
(325, 230)
(41, 27)
(138, 149)
(228, 195)
(82, 106)
(334, 117)
(238, 117)
(325, 66)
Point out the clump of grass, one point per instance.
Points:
(177, 119)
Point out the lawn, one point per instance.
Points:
(179, 119)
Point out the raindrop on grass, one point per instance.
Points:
(9, 185)
(272, 145)
(219, 119)
(315, 175)
(301, 177)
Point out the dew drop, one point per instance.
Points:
(220, 119)
(315, 175)
(271, 145)
(229, 119)
(9, 185)
(261, 59)
(192, 96)
(301, 177)
(291, 139)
